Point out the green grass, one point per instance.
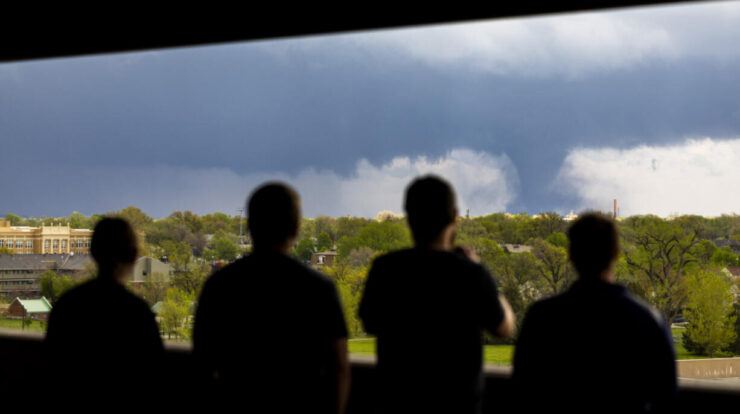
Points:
(35, 326)
(504, 354)
(493, 354)
(365, 346)
(498, 354)
(681, 352)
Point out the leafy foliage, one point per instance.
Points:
(154, 288)
(658, 252)
(53, 286)
(304, 249)
(175, 313)
(324, 242)
(709, 313)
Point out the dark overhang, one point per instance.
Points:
(40, 32)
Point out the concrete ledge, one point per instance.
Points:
(21, 360)
(709, 368)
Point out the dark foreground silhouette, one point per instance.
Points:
(594, 348)
(102, 344)
(428, 307)
(269, 332)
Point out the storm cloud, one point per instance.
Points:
(697, 176)
(85, 133)
(484, 183)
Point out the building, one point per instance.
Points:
(517, 248)
(20, 273)
(146, 266)
(44, 239)
(37, 309)
(323, 258)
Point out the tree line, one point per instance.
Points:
(678, 264)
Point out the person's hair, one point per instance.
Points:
(273, 214)
(113, 242)
(430, 207)
(594, 244)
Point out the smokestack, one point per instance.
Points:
(615, 208)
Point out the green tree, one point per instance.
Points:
(350, 282)
(226, 249)
(558, 239)
(78, 220)
(324, 242)
(13, 219)
(179, 254)
(548, 223)
(53, 286)
(735, 347)
(381, 237)
(175, 313)
(350, 226)
(213, 223)
(516, 274)
(703, 252)
(709, 312)
(304, 249)
(552, 265)
(5, 250)
(154, 288)
(323, 224)
(469, 231)
(360, 257)
(139, 220)
(724, 257)
(658, 252)
(191, 281)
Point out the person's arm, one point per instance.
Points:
(204, 349)
(367, 310)
(494, 310)
(337, 333)
(341, 362)
(666, 383)
(506, 327)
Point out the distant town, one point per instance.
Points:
(669, 262)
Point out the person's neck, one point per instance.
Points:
(443, 241)
(607, 276)
(282, 248)
(116, 273)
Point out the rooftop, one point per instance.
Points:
(35, 305)
(44, 261)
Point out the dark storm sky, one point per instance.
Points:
(556, 113)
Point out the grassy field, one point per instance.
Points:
(16, 324)
(493, 354)
(503, 354)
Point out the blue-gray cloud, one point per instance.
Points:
(324, 103)
(697, 176)
(484, 183)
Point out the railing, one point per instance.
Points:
(21, 361)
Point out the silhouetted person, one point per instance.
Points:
(428, 307)
(102, 342)
(594, 348)
(269, 332)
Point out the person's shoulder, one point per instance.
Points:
(77, 293)
(643, 309)
(395, 256)
(548, 307)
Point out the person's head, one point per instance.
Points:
(273, 215)
(594, 244)
(430, 208)
(113, 245)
